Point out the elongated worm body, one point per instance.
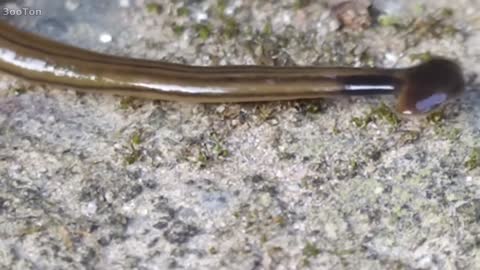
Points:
(29, 56)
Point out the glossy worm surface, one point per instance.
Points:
(29, 56)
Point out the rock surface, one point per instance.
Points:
(101, 182)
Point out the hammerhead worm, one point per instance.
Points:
(419, 89)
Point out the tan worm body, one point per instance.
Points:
(38, 59)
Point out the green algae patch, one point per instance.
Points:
(381, 112)
(473, 160)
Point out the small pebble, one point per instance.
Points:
(353, 14)
(201, 16)
(220, 109)
(72, 5)
(124, 3)
(105, 38)
(391, 58)
(391, 7)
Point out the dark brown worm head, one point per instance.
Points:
(429, 85)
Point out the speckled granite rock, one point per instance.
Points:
(100, 182)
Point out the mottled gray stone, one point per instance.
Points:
(100, 182)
